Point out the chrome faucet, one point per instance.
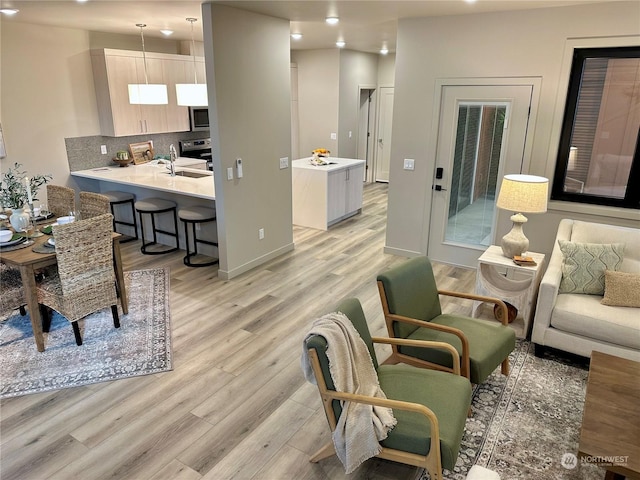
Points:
(172, 160)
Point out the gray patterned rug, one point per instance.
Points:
(141, 346)
(523, 424)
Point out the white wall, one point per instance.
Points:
(248, 78)
(387, 70)
(318, 97)
(507, 44)
(47, 94)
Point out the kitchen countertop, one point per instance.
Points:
(335, 164)
(155, 177)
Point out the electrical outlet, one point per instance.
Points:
(284, 162)
(261, 234)
(334, 136)
(103, 149)
(230, 173)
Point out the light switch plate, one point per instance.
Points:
(284, 162)
(409, 164)
(334, 136)
(230, 173)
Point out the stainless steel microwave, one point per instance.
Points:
(199, 118)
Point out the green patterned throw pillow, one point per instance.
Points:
(585, 263)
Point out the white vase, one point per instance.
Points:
(18, 219)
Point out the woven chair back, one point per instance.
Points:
(84, 252)
(93, 204)
(60, 200)
(11, 291)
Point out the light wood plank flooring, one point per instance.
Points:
(236, 405)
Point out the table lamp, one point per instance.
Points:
(521, 194)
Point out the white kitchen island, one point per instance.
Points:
(149, 180)
(323, 195)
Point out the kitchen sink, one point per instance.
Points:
(184, 173)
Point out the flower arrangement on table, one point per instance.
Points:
(318, 156)
(18, 190)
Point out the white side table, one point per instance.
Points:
(498, 276)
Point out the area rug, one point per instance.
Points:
(141, 346)
(527, 425)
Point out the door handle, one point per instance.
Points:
(438, 188)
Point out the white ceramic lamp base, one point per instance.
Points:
(515, 243)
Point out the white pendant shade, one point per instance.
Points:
(192, 94)
(148, 94)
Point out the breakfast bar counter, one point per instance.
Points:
(155, 177)
(190, 187)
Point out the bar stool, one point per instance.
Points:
(195, 216)
(121, 198)
(153, 207)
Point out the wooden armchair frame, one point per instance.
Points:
(432, 462)
(397, 357)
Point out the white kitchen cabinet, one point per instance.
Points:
(325, 195)
(114, 70)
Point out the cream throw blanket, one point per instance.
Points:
(360, 427)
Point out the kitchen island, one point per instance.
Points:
(324, 195)
(190, 187)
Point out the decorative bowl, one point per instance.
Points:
(122, 162)
(512, 312)
(5, 236)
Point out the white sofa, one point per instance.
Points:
(579, 323)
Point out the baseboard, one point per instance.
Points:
(229, 274)
(401, 252)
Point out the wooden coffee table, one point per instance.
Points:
(610, 434)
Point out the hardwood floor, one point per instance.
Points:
(236, 405)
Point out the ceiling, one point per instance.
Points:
(364, 25)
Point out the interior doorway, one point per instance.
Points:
(383, 144)
(366, 130)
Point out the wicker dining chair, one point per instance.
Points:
(60, 200)
(85, 282)
(11, 291)
(93, 204)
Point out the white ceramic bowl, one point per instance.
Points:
(5, 236)
(63, 220)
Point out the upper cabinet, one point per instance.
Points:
(114, 70)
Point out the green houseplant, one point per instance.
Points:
(13, 190)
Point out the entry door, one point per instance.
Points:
(383, 145)
(482, 135)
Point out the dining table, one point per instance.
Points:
(30, 259)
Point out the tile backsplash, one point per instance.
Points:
(84, 152)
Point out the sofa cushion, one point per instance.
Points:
(584, 265)
(584, 315)
(587, 232)
(621, 289)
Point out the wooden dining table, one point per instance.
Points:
(28, 262)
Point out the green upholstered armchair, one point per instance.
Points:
(411, 305)
(430, 406)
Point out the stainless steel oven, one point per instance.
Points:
(198, 148)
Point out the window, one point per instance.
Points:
(599, 152)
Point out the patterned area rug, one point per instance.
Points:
(141, 346)
(527, 425)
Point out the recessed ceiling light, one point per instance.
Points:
(296, 36)
(166, 32)
(332, 20)
(82, 1)
(384, 51)
(340, 43)
(9, 11)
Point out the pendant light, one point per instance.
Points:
(146, 93)
(192, 94)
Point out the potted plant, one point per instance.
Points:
(13, 188)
